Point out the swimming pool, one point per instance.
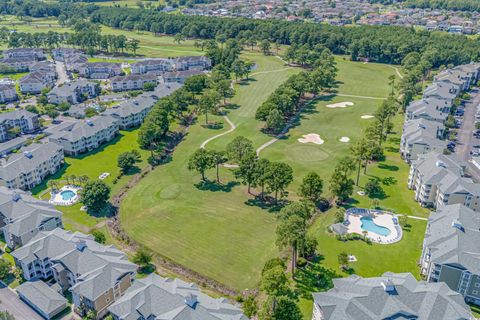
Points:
(67, 195)
(369, 225)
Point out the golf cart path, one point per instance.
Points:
(227, 119)
(397, 72)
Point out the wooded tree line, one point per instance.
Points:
(389, 44)
(86, 36)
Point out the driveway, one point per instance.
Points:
(62, 76)
(10, 302)
(465, 137)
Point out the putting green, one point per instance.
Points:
(306, 153)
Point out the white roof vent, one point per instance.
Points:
(388, 285)
(81, 245)
(191, 300)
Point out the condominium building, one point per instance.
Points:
(32, 53)
(95, 274)
(73, 92)
(8, 93)
(433, 109)
(36, 81)
(171, 299)
(180, 76)
(22, 217)
(81, 136)
(27, 168)
(192, 63)
(152, 66)
(100, 70)
(25, 121)
(451, 250)
(132, 82)
(391, 296)
(131, 113)
(421, 136)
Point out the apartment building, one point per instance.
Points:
(421, 136)
(171, 299)
(432, 108)
(95, 274)
(27, 168)
(22, 217)
(192, 63)
(74, 62)
(8, 93)
(31, 53)
(442, 90)
(24, 120)
(391, 296)
(36, 81)
(180, 76)
(16, 64)
(451, 250)
(131, 113)
(60, 54)
(152, 66)
(132, 82)
(80, 136)
(100, 70)
(73, 92)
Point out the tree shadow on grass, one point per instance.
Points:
(231, 106)
(314, 278)
(388, 167)
(392, 149)
(215, 186)
(394, 140)
(106, 212)
(267, 203)
(213, 125)
(246, 82)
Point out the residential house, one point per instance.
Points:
(22, 217)
(451, 250)
(391, 296)
(439, 180)
(42, 298)
(25, 121)
(60, 54)
(73, 92)
(192, 63)
(28, 168)
(95, 274)
(31, 53)
(100, 70)
(171, 299)
(421, 136)
(432, 108)
(81, 136)
(132, 82)
(180, 76)
(36, 81)
(152, 66)
(8, 93)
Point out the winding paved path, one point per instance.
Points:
(232, 128)
(397, 72)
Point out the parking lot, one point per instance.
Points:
(467, 141)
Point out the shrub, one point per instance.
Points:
(301, 262)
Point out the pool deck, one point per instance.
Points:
(57, 199)
(383, 220)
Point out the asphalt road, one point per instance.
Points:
(10, 302)
(465, 138)
(62, 76)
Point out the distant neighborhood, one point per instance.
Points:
(344, 12)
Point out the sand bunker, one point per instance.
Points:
(344, 139)
(311, 138)
(367, 116)
(340, 105)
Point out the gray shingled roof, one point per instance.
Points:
(430, 106)
(171, 299)
(449, 244)
(434, 166)
(423, 131)
(390, 296)
(27, 159)
(97, 266)
(68, 89)
(442, 90)
(17, 114)
(42, 296)
(80, 129)
(25, 211)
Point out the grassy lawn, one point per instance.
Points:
(92, 164)
(206, 227)
(13, 76)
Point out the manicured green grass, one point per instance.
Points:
(93, 164)
(13, 76)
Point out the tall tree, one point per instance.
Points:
(200, 161)
(291, 232)
(311, 187)
(239, 148)
(279, 176)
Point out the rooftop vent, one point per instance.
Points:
(388, 285)
(28, 154)
(440, 164)
(191, 300)
(81, 245)
(16, 196)
(457, 224)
